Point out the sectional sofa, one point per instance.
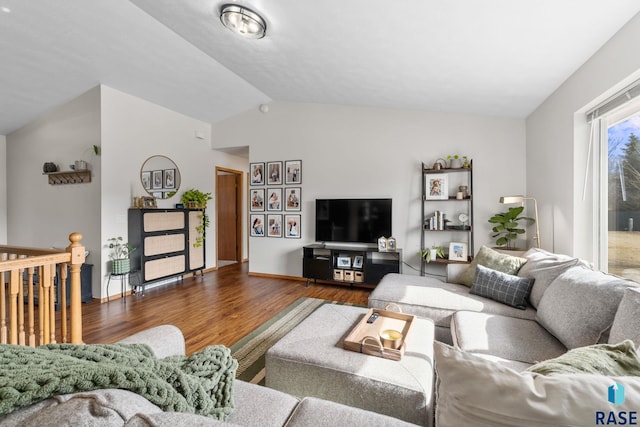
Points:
(506, 314)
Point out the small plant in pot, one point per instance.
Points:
(507, 227)
(120, 251)
(430, 254)
(196, 199)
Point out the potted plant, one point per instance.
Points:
(506, 226)
(430, 254)
(196, 199)
(454, 161)
(120, 250)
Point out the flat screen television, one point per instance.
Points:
(352, 220)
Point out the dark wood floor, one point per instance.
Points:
(219, 308)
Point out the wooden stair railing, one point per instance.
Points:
(28, 279)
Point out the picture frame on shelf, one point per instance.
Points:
(257, 225)
(256, 200)
(274, 225)
(274, 199)
(157, 179)
(458, 251)
(382, 244)
(343, 262)
(391, 244)
(293, 198)
(292, 226)
(357, 261)
(437, 186)
(149, 202)
(169, 176)
(274, 173)
(145, 177)
(257, 173)
(292, 172)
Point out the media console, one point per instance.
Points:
(348, 264)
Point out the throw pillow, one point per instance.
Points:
(579, 306)
(626, 324)
(501, 287)
(494, 260)
(472, 391)
(601, 359)
(544, 267)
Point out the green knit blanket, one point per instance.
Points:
(201, 383)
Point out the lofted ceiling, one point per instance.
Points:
(490, 57)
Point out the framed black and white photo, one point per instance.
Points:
(169, 178)
(256, 199)
(274, 173)
(145, 176)
(292, 172)
(457, 251)
(257, 173)
(157, 180)
(274, 199)
(343, 262)
(293, 199)
(357, 261)
(292, 226)
(257, 225)
(436, 186)
(274, 225)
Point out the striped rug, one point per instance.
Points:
(250, 350)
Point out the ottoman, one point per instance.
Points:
(310, 361)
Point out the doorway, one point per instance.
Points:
(229, 216)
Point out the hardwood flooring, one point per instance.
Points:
(219, 308)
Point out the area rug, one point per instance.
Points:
(250, 350)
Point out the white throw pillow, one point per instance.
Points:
(472, 391)
(626, 324)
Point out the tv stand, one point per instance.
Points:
(353, 265)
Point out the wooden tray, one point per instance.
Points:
(365, 337)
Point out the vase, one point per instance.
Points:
(120, 266)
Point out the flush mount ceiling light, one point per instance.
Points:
(243, 21)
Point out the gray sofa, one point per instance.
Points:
(253, 405)
(485, 350)
(568, 305)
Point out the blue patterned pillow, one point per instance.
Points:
(501, 287)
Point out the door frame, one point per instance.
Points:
(239, 214)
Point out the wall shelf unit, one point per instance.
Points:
(69, 177)
(442, 212)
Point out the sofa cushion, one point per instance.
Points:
(260, 406)
(601, 359)
(494, 260)
(436, 300)
(521, 340)
(544, 267)
(626, 324)
(323, 413)
(579, 306)
(472, 391)
(501, 287)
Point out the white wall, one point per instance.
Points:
(366, 152)
(133, 130)
(557, 142)
(43, 215)
(3, 190)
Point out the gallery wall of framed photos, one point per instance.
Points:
(275, 199)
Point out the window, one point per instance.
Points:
(618, 209)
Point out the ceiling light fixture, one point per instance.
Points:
(243, 21)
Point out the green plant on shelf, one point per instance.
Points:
(425, 254)
(196, 199)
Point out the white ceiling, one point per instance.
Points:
(494, 57)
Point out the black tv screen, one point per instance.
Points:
(352, 220)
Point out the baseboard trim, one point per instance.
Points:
(277, 276)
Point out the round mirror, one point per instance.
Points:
(160, 177)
